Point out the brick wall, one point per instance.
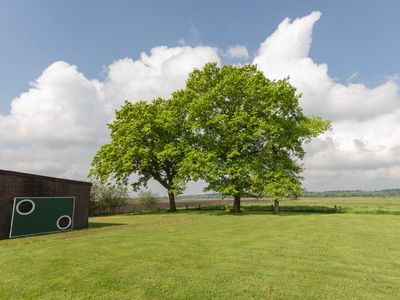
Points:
(15, 184)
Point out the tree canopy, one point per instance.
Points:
(247, 132)
(146, 140)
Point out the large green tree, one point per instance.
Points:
(247, 132)
(147, 141)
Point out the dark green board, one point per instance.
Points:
(39, 215)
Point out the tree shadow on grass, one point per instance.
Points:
(297, 208)
(102, 224)
(221, 210)
(203, 209)
(155, 212)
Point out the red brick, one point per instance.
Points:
(15, 184)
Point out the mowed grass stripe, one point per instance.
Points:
(209, 255)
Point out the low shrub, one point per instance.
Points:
(149, 200)
(107, 199)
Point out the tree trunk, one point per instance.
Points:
(172, 206)
(236, 203)
(276, 206)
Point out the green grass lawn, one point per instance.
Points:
(213, 255)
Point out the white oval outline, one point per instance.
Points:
(27, 213)
(65, 227)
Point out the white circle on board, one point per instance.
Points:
(27, 212)
(64, 227)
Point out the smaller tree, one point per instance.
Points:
(282, 186)
(147, 141)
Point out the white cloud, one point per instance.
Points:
(56, 127)
(157, 74)
(363, 148)
(61, 108)
(286, 53)
(237, 51)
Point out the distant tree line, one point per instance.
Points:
(354, 193)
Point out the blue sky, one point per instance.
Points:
(67, 65)
(352, 36)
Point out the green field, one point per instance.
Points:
(212, 254)
(361, 205)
